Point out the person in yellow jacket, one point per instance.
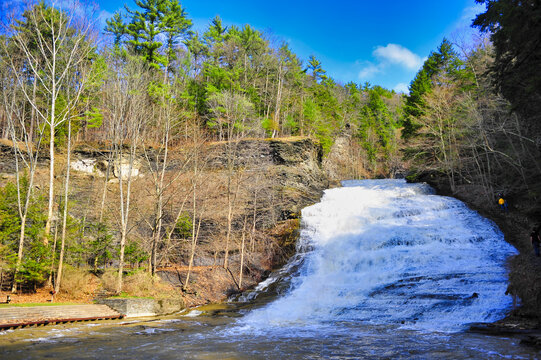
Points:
(503, 203)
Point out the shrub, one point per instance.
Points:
(109, 280)
(75, 282)
(139, 283)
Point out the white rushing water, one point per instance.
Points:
(387, 252)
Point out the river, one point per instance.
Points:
(383, 270)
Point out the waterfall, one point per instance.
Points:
(386, 252)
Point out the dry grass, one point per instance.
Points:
(140, 284)
(76, 283)
(280, 139)
(6, 142)
(21, 145)
(109, 280)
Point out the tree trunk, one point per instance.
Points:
(242, 253)
(278, 100)
(33, 113)
(50, 279)
(228, 234)
(194, 235)
(105, 181)
(159, 210)
(51, 190)
(125, 209)
(65, 215)
(52, 126)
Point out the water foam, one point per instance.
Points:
(388, 252)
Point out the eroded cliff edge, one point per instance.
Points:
(243, 200)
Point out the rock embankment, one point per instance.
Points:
(291, 169)
(274, 179)
(252, 188)
(524, 268)
(247, 203)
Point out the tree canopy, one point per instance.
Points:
(515, 30)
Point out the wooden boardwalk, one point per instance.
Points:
(15, 317)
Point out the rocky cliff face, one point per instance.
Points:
(290, 170)
(271, 180)
(265, 183)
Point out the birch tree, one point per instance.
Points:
(125, 104)
(25, 151)
(53, 42)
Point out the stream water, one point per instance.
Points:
(384, 269)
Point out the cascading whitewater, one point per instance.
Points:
(387, 252)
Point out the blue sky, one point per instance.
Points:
(383, 42)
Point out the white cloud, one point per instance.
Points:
(370, 70)
(401, 88)
(392, 58)
(470, 13)
(397, 54)
(103, 16)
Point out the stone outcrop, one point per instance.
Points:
(139, 307)
(292, 168)
(276, 178)
(338, 160)
(95, 163)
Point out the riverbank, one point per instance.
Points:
(524, 268)
(523, 321)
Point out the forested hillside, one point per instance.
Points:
(148, 93)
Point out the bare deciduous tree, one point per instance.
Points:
(236, 111)
(53, 42)
(25, 150)
(125, 104)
